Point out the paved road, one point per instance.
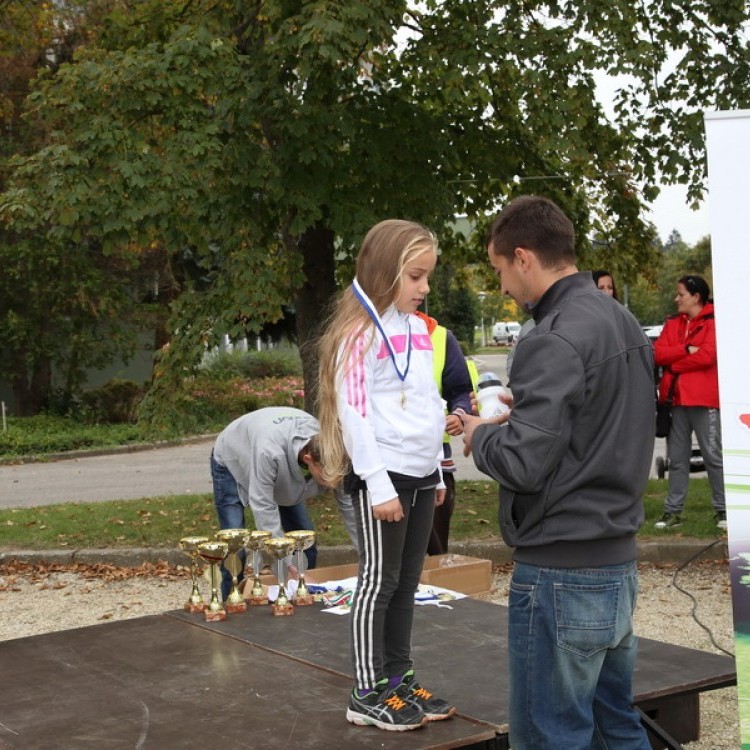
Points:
(175, 470)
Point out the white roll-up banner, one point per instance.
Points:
(728, 150)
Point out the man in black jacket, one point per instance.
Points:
(572, 459)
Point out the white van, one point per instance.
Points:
(506, 332)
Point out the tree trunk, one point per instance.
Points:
(311, 302)
(31, 389)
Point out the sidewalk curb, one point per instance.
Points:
(112, 451)
(667, 551)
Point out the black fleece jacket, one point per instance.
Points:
(574, 457)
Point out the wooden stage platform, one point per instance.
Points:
(258, 681)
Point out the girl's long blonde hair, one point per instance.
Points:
(384, 252)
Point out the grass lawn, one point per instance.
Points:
(161, 521)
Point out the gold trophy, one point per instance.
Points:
(189, 545)
(302, 540)
(236, 540)
(213, 553)
(255, 543)
(280, 547)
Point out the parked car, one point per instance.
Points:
(652, 332)
(506, 332)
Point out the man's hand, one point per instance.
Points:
(470, 424)
(440, 496)
(388, 511)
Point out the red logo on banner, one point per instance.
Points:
(745, 419)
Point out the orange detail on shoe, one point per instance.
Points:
(395, 702)
(420, 692)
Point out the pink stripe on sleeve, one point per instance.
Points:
(356, 393)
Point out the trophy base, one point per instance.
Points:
(215, 615)
(256, 601)
(305, 600)
(235, 608)
(282, 610)
(194, 608)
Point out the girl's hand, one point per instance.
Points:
(453, 425)
(440, 497)
(389, 511)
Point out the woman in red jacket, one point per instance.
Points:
(686, 350)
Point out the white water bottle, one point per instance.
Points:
(489, 388)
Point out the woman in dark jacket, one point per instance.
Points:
(686, 350)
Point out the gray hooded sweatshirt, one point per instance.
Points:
(261, 451)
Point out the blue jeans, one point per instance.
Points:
(571, 655)
(231, 514)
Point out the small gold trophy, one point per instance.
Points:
(189, 545)
(280, 547)
(213, 553)
(302, 540)
(236, 540)
(255, 543)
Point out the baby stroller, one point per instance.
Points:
(696, 461)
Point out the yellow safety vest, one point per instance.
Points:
(439, 338)
(473, 373)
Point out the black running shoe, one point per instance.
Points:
(382, 707)
(435, 709)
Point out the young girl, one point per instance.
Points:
(382, 424)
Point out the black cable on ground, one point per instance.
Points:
(694, 600)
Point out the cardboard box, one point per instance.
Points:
(467, 575)
(331, 573)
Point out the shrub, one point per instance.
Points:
(232, 398)
(115, 402)
(271, 363)
(46, 433)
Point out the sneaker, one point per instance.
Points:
(435, 709)
(384, 708)
(669, 521)
(721, 519)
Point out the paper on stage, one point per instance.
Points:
(344, 588)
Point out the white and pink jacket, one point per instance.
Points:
(389, 424)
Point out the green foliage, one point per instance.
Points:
(228, 386)
(45, 434)
(653, 293)
(223, 388)
(114, 402)
(263, 140)
(452, 302)
(267, 363)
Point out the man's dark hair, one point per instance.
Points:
(537, 224)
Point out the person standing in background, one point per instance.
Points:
(686, 350)
(605, 282)
(455, 385)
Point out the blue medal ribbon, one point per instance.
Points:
(373, 313)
